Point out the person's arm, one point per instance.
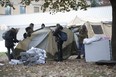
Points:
(37, 29)
(84, 35)
(25, 35)
(15, 37)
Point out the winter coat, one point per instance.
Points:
(9, 43)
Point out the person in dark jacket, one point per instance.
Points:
(28, 32)
(9, 42)
(56, 33)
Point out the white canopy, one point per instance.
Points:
(37, 19)
(98, 14)
(91, 14)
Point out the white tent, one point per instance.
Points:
(76, 21)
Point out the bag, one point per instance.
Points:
(63, 36)
(6, 35)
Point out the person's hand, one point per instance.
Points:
(16, 41)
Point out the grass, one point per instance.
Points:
(2, 54)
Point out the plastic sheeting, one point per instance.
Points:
(98, 50)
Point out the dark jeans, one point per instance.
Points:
(9, 53)
(81, 49)
(60, 54)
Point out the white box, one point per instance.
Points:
(99, 50)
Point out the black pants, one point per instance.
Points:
(60, 54)
(9, 53)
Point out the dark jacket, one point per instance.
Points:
(10, 41)
(56, 33)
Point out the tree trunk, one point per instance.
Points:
(113, 42)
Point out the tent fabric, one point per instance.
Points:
(48, 19)
(106, 28)
(44, 39)
(90, 29)
(76, 21)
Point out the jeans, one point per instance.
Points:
(82, 49)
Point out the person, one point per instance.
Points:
(31, 26)
(9, 42)
(81, 36)
(56, 33)
(28, 32)
(42, 25)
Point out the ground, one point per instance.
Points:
(68, 68)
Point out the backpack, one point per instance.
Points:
(63, 36)
(6, 35)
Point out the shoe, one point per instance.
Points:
(79, 57)
(58, 60)
(83, 56)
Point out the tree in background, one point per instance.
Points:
(5, 3)
(53, 5)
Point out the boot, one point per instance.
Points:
(78, 57)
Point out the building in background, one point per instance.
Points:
(34, 7)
